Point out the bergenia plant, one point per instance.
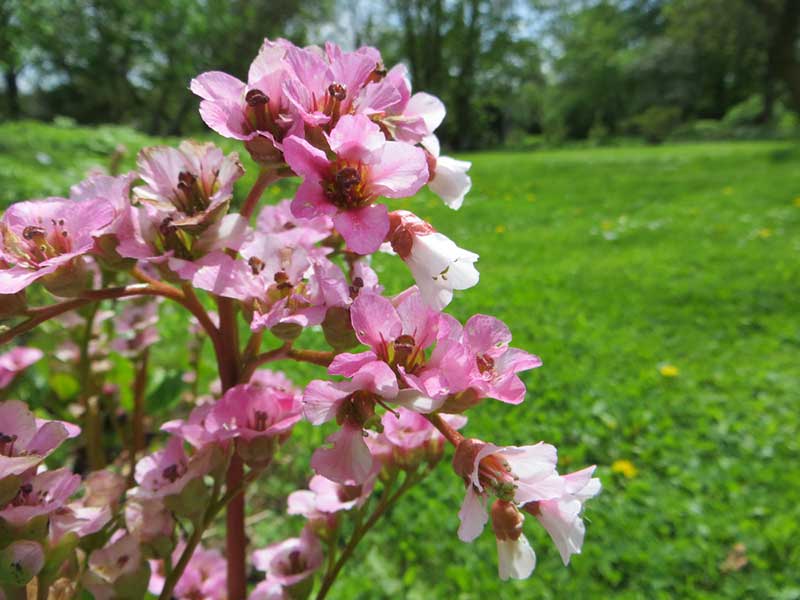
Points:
(125, 512)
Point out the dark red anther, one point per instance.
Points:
(32, 232)
(337, 91)
(485, 363)
(256, 98)
(171, 473)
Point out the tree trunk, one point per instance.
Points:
(782, 63)
(12, 92)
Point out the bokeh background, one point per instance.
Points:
(636, 205)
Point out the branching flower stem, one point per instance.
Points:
(387, 500)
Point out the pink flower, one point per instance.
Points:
(257, 112)
(115, 190)
(278, 221)
(325, 85)
(148, 519)
(290, 561)
(121, 557)
(43, 237)
(561, 516)
(475, 360)
(183, 209)
(522, 474)
(288, 287)
(193, 183)
(326, 497)
(78, 518)
(397, 332)
(193, 429)
(205, 576)
(166, 472)
(409, 118)
(26, 441)
(365, 167)
(16, 360)
(413, 439)
(437, 264)
(496, 364)
(251, 411)
(41, 494)
(269, 589)
(352, 404)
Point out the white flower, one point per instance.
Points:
(515, 558)
(439, 267)
(450, 181)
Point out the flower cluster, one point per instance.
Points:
(38, 512)
(401, 373)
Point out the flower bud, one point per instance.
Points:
(456, 404)
(20, 562)
(288, 332)
(465, 455)
(258, 451)
(506, 520)
(338, 329)
(69, 280)
(191, 501)
(103, 488)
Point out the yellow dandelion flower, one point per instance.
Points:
(625, 467)
(727, 190)
(668, 371)
(500, 229)
(764, 233)
(796, 202)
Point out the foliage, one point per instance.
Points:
(505, 68)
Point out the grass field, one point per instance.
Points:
(661, 287)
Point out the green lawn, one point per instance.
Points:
(611, 264)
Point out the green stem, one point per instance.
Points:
(386, 501)
(91, 411)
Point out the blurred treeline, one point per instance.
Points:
(512, 72)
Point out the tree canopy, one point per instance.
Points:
(506, 68)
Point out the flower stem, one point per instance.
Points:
(453, 436)
(386, 501)
(91, 410)
(137, 418)
(265, 178)
(317, 357)
(228, 361)
(180, 566)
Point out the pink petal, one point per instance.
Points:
(304, 159)
(216, 85)
(309, 201)
(321, 400)
(377, 377)
(347, 364)
(427, 106)
(348, 462)
(485, 334)
(364, 229)
(473, 515)
(356, 138)
(401, 172)
(375, 320)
